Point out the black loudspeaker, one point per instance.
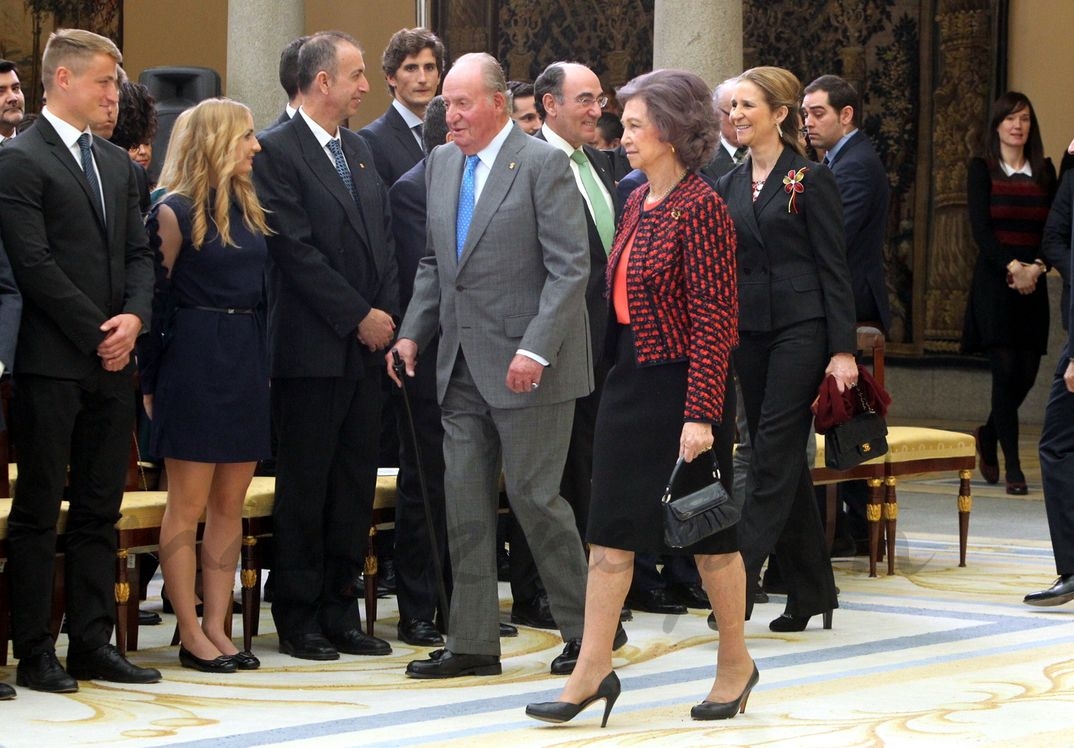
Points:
(176, 89)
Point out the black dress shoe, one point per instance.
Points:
(565, 661)
(106, 663)
(221, 664)
(565, 711)
(355, 642)
(309, 647)
(419, 633)
(535, 613)
(148, 618)
(43, 672)
(6, 692)
(655, 601)
(507, 631)
(443, 663)
(690, 595)
(245, 660)
(1059, 593)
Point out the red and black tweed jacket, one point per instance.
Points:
(681, 289)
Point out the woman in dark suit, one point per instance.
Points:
(796, 324)
(1008, 191)
(671, 280)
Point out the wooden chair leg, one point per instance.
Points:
(371, 582)
(872, 514)
(965, 505)
(133, 581)
(123, 593)
(250, 580)
(891, 516)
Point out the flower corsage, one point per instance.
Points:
(792, 185)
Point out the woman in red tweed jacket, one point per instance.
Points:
(671, 281)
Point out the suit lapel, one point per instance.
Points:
(318, 162)
(773, 185)
(62, 154)
(501, 176)
(741, 193)
(404, 134)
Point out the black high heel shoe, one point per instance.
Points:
(564, 711)
(727, 709)
(787, 623)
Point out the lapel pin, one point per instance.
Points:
(361, 165)
(511, 165)
(676, 213)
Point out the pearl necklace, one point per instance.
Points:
(655, 196)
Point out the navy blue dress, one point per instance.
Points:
(206, 359)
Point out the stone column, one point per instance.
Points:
(703, 36)
(258, 30)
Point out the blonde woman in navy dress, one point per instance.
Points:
(205, 368)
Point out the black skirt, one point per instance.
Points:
(636, 444)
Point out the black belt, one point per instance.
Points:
(221, 310)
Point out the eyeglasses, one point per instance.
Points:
(588, 100)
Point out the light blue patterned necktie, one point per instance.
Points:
(342, 169)
(91, 171)
(466, 205)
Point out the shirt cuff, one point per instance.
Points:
(534, 356)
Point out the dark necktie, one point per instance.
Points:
(417, 130)
(826, 161)
(342, 169)
(91, 171)
(740, 154)
(466, 205)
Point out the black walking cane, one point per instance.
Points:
(438, 566)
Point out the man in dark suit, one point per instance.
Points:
(569, 101)
(831, 110)
(12, 101)
(1057, 436)
(503, 281)
(416, 589)
(289, 79)
(332, 289)
(728, 153)
(70, 222)
(10, 314)
(413, 62)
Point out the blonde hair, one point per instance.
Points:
(201, 160)
(781, 88)
(176, 143)
(73, 48)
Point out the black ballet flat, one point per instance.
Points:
(565, 711)
(727, 709)
(787, 623)
(245, 660)
(221, 664)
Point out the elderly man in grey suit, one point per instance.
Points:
(504, 280)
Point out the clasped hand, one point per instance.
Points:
(376, 330)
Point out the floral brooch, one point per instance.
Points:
(792, 185)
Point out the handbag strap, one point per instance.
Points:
(675, 472)
(861, 396)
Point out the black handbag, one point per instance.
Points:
(697, 515)
(852, 442)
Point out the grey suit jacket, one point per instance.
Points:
(520, 283)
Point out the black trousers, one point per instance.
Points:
(326, 473)
(1057, 467)
(779, 373)
(85, 424)
(415, 573)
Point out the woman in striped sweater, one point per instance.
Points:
(1009, 190)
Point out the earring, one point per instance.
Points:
(672, 149)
